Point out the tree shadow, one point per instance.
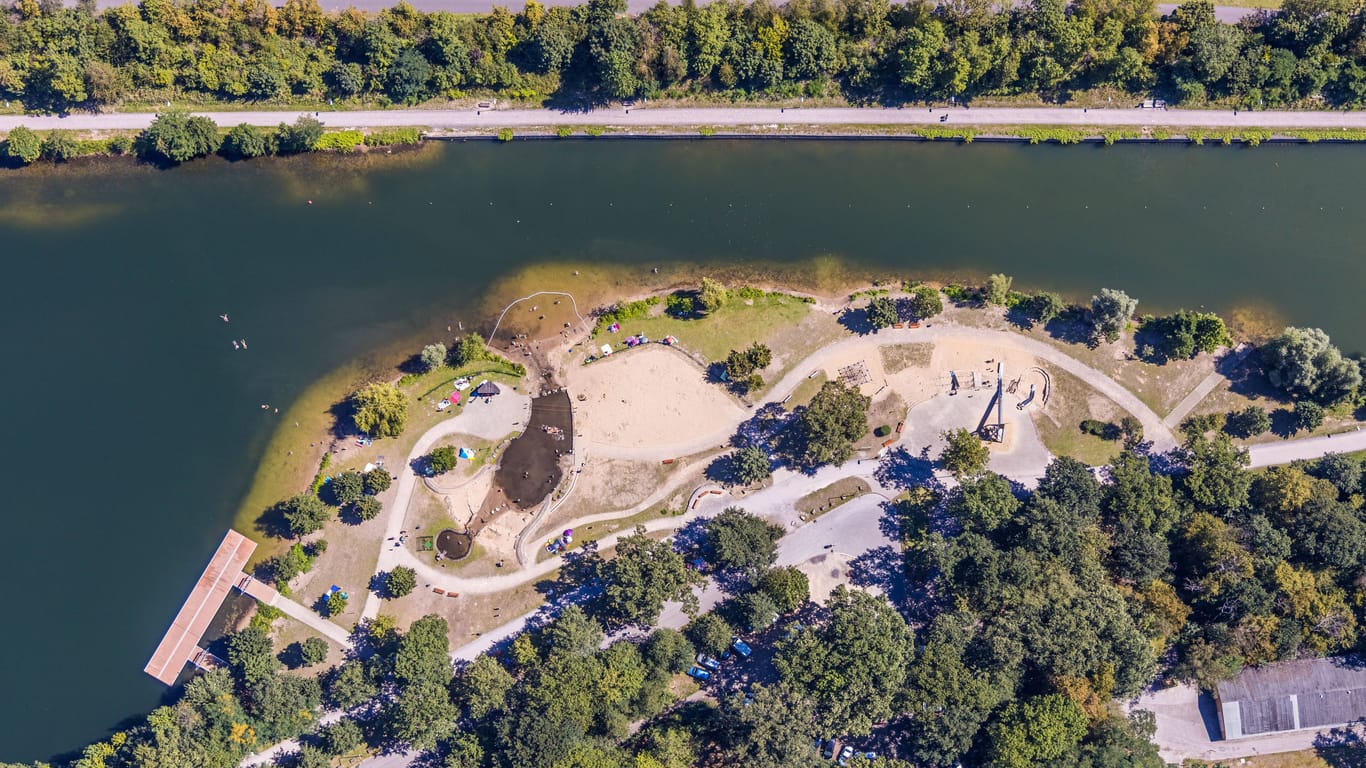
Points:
(343, 414)
(379, 584)
(900, 469)
(882, 567)
(272, 522)
(723, 470)
(1020, 317)
(413, 365)
(1071, 328)
(1283, 423)
(293, 655)
(1342, 747)
(856, 321)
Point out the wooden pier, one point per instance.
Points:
(181, 642)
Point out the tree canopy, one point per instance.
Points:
(739, 540)
(1304, 363)
(829, 425)
(380, 410)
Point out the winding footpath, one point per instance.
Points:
(772, 120)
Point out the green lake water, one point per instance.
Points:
(132, 427)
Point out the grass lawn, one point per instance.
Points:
(820, 501)
(1307, 758)
(805, 391)
(1059, 423)
(586, 534)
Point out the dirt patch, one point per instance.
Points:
(530, 468)
(898, 357)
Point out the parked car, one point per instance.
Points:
(828, 751)
(845, 754)
(870, 756)
(741, 649)
(708, 662)
(700, 674)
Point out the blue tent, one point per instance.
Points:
(466, 453)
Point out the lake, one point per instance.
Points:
(133, 428)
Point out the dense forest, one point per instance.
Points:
(867, 51)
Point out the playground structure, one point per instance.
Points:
(996, 432)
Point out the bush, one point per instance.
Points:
(367, 508)
(345, 141)
(244, 142)
(390, 137)
(336, 604)
(399, 582)
(470, 349)
(997, 289)
(564, 131)
(680, 305)
(712, 295)
(59, 146)
(505, 134)
(377, 481)
(120, 145)
(1103, 429)
(1043, 307)
(176, 136)
(23, 146)
(882, 431)
(442, 459)
(925, 303)
(302, 136)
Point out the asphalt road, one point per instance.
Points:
(771, 119)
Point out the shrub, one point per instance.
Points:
(23, 146)
(336, 604)
(302, 136)
(882, 431)
(680, 305)
(1103, 429)
(997, 289)
(925, 303)
(120, 145)
(59, 146)
(345, 141)
(505, 134)
(176, 136)
(393, 137)
(313, 651)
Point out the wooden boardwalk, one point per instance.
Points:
(181, 642)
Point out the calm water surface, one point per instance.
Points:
(132, 427)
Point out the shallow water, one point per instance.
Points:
(134, 427)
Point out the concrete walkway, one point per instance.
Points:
(771, 119)
(1286, 451)
(1223, 367)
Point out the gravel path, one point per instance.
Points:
(765, 118)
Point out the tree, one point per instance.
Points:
(750, 465)
(668, 651)
(984, 503)
(1036, 731)
(853, 666)
(304, 514)
(23, 146)
(787, 587)
(252, 657)
(1184, 334)
(1308, 415)
(342, 736)
(998, 289)
(367, 508)
(1110, 313)
(468, 350)
(336, 604)
(710, 633)
(740, 541)
(773, 731)
(380, 410)
(441, 460)
(757, 611)
(422, 715)
(882, 312)
(176, 136)
(406, 80)
(739, 365)
(433, 356)
(301, 136)
(712, 295)
(423, 653)
(573, 633)
(313, 651)
(1304, 363)
(1215, 478)
(245, 141)
(828, 427)
(811, 50)
(310, 756)
(348, 686)
(1043, 307)
(400, 581)
(483, 687)
(641, 577)
(965, 455)
(1342, 470)
(925, 302)
(377, 481)
(1249, 422)
(346, 488)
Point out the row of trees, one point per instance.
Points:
(55, 57)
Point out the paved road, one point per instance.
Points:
(768, 118)
(1286, 451)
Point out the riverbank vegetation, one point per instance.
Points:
(55, 58)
